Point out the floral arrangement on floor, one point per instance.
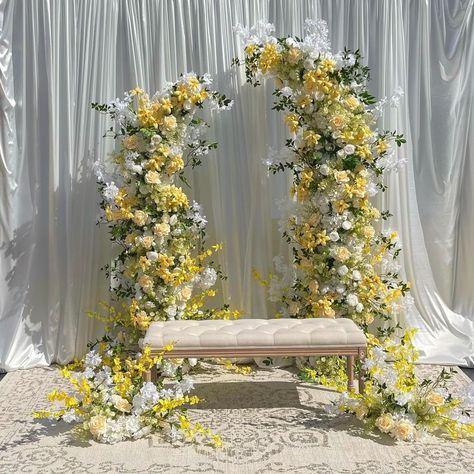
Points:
(343, 267)
(160, 272)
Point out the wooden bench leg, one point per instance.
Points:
(362, 371)
(350, 372)
(147, 376)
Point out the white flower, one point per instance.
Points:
(356, 275)
(359, 307)
(208, 278)
(403, 398)
(352, 299)
(324, 170)
(342, 270)
(92, 359)
(110, 191)
(346, 225)
(349, 149)
(152, 256)
(70, 416)
(334, 236)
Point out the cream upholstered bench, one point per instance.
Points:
(259, 338)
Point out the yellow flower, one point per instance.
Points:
(294, 308)
(269, 57)
(368, 231)
(360, 410)
(292, 121)
(341, 206)
(147, 241)
(121, 404)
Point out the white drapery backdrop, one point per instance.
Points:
(58, 56)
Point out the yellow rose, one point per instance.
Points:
(161, 229)
(147, 241)
(97, 425)
(169, 123)
(341, 176)
(385, 423)
(152, 177)
(121, 404)
(435, 399)
(140, 218)
(352, 102)
(403, 430)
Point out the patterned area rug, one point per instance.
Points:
(269, 421)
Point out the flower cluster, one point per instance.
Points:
(343, 267)
(160, 272)
(397, 402)
(112, 403)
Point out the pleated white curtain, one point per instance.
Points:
(58, 56)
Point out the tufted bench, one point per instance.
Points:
(259, 338)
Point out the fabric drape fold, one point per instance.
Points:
(56, 57)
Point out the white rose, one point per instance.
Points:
(97, 425)
(334, 236)
(340, 153)
(349, 149)
(346, 225)
(359, 307)
(356, 275)
(152, 256)
(173, 219)
(324, 170)
(352, 299)
(342, 270)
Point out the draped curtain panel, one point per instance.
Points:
(58, 56)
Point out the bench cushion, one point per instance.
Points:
(254, 333)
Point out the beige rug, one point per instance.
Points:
(270, 423)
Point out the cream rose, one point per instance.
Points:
(152, 177)
(313, 286)
(140, 218)
(337, 121)
(185, 293)
(368, 231)
(385, 423)
(342, 254)
(169, 123)
(147, 241)
(294, 308)
(403, 430)
(341, 176)
(121, 404)
(161, 229)
(145, 282)
(97, 425)
(435, 399)
(360, 411)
